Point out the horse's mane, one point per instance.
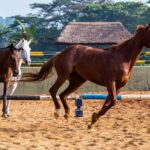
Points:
(139, 31)
(119, 46)
(8, 48)
(5, 49)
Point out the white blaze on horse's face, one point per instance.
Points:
(24, 45)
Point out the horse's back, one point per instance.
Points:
(76, 54)
(76, 51)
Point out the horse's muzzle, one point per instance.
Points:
(15, 73)
(27, 63)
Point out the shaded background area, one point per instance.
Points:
(140, 81)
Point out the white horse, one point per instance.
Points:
(23, 45)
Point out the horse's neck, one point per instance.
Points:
(3, 56)
(130, 50)
(4, 62)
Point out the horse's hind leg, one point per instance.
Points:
(75, 81)
(53, 91)
(110, 101)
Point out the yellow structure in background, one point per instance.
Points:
(37, 53)
(140, 62)
(41, 53)
(147, 53)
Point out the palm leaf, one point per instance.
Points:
(21, 25)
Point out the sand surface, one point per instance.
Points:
(32, 126)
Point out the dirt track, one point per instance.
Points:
(32, 126)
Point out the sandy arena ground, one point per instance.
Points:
(32, 126)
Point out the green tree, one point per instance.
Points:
(4, 36)
(129, 13)
(51, 18)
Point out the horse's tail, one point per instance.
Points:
(43, 74)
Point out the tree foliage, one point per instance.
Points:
(3, 32)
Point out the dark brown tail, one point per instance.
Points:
(44, 72)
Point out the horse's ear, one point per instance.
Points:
(140, 28)
(11, 47)
(148, 26)
(29, 41)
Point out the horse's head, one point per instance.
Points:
(14, 59)
(144, 33)
(25, 50)
(147, 36)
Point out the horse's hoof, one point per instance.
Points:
(89, 126)
(94, 117)
(66, 116)
(4, 115)
(56, 115)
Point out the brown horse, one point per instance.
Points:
(9, 63)
(109, 67)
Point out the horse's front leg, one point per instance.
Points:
(110, 101)
(5, 115)
(11, 90)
